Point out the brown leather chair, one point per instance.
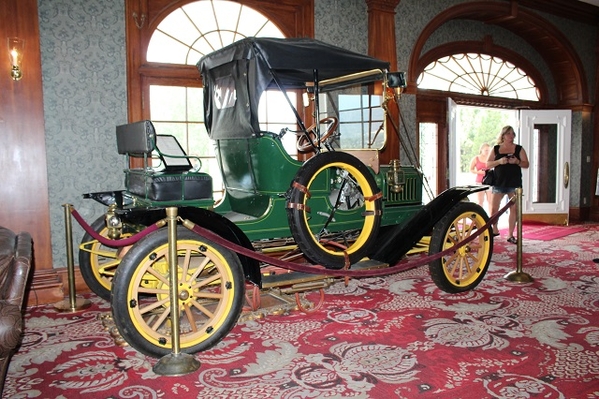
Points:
(16, 252)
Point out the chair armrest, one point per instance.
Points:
(11, 327)
(14, 289)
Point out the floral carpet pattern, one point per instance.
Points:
(390, 337)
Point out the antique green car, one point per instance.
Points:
(339, 209)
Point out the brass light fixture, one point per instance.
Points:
(396, 177)
(15, 53)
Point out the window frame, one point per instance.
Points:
(295, 18)
(483, 47)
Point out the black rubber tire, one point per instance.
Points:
(464, 269)
(211, 293)
(98, 262)
(311, 200)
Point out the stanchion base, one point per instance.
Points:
(65, 305)
(176, 364)
(518, 277)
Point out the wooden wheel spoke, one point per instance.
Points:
(459, 230)
(154, 291)
(160, 320)
(190, 317)
(199, 269)
(475, 245)
(473, 258)
(186, 262)
(159, 276)
(465, 269)
(452, 240)
(206, 281)
(152, 306)
(202, 309)
(451, 261)
(209, 295)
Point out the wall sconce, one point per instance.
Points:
(15, 53)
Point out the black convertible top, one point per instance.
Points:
(293, 60)
(235, 76)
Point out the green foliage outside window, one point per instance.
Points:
(478, 126)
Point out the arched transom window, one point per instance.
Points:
(182, 38)
(198, 28)
(478, 74)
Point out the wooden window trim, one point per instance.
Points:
(295, 18)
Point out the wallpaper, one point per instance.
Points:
(85, 92)
(85, 97)
(343, 23)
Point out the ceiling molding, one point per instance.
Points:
(582, 11)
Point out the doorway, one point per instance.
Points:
(545, 135)
(476, 126)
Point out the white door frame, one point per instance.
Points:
(557, 211)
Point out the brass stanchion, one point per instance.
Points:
(175, 363)
(518, 275)
(73, 304)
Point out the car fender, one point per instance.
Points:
(206, 219)
(396, 241)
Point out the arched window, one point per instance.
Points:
(183, 37)
(198, 28)
(478, 74)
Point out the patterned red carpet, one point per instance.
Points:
(548, 232)
(393, 337)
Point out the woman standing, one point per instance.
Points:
(508, 159)
(478, 165)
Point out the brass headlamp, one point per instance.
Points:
(396, 177)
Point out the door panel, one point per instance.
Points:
(545, 135)
(453, 150)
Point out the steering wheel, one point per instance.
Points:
(304, 144)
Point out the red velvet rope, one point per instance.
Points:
(318, 269)
(297, 267)
(113, 243)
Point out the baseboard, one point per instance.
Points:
(575, 215)
(580, 214)
(52, 286)
(560, 219)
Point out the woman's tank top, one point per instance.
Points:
(508, 175)
(480, 166)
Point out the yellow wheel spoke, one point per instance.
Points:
(103, 270)
(105, 254)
